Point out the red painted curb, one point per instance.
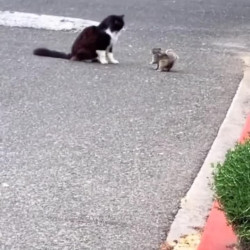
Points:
(217, 234)
(246, 131)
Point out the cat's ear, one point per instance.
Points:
(122, 16)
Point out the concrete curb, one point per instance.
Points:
(218, 235)
(198, 201)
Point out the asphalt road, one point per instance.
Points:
(98, 157)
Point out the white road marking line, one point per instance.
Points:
(48, 22)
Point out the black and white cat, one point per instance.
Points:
(94, 42)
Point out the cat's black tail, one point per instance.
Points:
(51, 53)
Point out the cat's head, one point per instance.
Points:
(113, 22)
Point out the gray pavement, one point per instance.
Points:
(98, 157)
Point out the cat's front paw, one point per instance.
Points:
(103, 61)
(111, 58)
(102, 56)
(114, 61)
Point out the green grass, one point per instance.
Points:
(232, 189)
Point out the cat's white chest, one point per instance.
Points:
(114, 36)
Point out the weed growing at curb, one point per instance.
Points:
(232, 189)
